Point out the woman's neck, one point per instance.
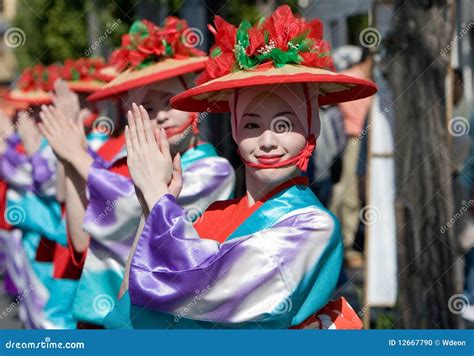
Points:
(256, 189)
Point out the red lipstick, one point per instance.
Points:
(269, 159)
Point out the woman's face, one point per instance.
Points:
(156, 103)
(270, 132)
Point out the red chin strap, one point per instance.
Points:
(89, 121)
(301, 160)
(191, 122)
(192, 118)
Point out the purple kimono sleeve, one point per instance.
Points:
(44, 165)
(204, 182)
(245, 279)
(113, 213)
(16, 169)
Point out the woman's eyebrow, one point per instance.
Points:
(251, 115)
(284, 113)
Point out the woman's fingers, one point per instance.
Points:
(61, 119)
(150, 138)
(144, 113)
(136, 112)
(57, 114)
(176, 179)
(50, 120)
(131, 120)
(44, 131)
(139, 125)
(177, 164)
(60, 86)
(55, 117)
(157, 134)
(51, 117)
(132, 131)
(128, 142)
(164, 145)
(45, 119)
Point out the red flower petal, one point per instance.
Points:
(257, 40)
(126, 40)
(316, 29)
(136, 58)
(282, 26)
(220, 65)
(225, 34)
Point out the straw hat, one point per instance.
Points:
(86, 75)
(35, 84)
(279, 49)
(150, 54)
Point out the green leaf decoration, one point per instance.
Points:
(280, 58)
(75, 74)
(306, 45)
(244, 61)
(216, 52)
(138, 28)
(168, 48)
(149, 61)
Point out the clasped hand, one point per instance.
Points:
(154, 172)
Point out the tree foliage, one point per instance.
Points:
(58, 29)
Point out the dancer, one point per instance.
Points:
(112, 213)
(281, 251)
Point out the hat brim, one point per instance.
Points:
(15, 104)
(83, 86)
(107, 74)
(34, 97)
(131, 79)
(213, 96)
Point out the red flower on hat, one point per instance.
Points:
(83, 69)
(26, 81)
(39, 78)
(280, 39)
(49, 76)
(225, 34)
(217, 67)
(282, 26)
(147, 43)
(256, 39)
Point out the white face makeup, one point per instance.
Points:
(270, 132)
(155, 99)
(156, 103)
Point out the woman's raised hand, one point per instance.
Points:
(28, 132)
(66, 101)
(64, 136)
(152, 169)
